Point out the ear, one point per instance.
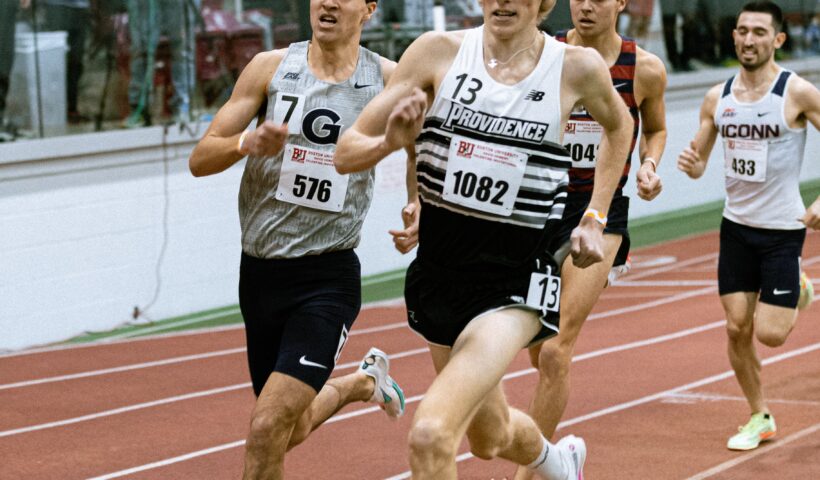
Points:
(371, 8)
(622, 5)
(779, 39)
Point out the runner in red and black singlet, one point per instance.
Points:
(640, 79)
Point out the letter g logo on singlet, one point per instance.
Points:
(321, 126)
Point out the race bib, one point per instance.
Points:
(308, 178)
(746, 159)
(582, 140)
(288, 109)
(545, 291)
(483, 176)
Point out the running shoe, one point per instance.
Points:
(806, 291)
(574, 451)
(760, 427)
(387, 394)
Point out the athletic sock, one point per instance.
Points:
(549, 463)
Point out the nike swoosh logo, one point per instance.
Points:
(357, 86)
(781, 292)
(620, 85)
(305, 361)
(386, 396)
(763, 114)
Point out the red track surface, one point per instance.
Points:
(651, 394)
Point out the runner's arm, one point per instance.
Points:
(219, 147)
(651, 78)
(692, 161)
(807, 97)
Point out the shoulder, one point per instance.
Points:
(648, 67)
(800, 88)
(265, 62)
(580, 62)
(712, 97)
(438, 44)
(388, 67)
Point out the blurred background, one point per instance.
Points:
(70, 66)
(101, 223)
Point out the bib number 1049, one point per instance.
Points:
(545, 291)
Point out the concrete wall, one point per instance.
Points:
(93, 225)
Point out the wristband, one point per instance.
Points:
(596, 215)
(241, 142)
(652, 161)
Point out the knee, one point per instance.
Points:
(267, 426)
(739, 332)
(430, 438)
(554, 359)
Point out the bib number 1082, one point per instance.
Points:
(468, 185)
(310, 188)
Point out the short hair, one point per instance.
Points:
(765, 6)
(545, 8)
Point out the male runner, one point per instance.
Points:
(762, 115)
(640, 79)
(300, 280)
(492, 174)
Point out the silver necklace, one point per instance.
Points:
(494, 62)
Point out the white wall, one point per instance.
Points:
(83, 224)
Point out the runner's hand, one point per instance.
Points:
(405, 121)
(587, 243)
(812, 217)
(267, 140)
(649, 182)
(407, 239)
(690, 163)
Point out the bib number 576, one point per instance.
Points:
(310, 188)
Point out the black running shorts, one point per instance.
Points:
(298, 313)
(441, 304)
(760, 260)
(617, 223)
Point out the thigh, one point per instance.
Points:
(780, 264)
(739, 260)
(478, 360)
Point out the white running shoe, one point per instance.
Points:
(574, 451)
(387, 394)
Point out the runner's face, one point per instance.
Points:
(339, 20)
(755, 39)
(507, 17)
(595, 17)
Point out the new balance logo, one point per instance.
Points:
(781, 292)
(535, 96)
(292, 76)
(308, 363)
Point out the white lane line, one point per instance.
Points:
(672, 267)
(170, 461)
(756, 453)
(691, 397)
(664, 283)
(129, 408)
(649, 398)
(654, 303)
(124, 368)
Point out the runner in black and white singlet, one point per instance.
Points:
(300, 280)
(762, 115)
(491, 176)
(640, 79)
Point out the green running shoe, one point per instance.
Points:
(760, 427)
(806, 291)
(387, 394)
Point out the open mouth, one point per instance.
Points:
(586, 21)
(327, 20)
(504, 14)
